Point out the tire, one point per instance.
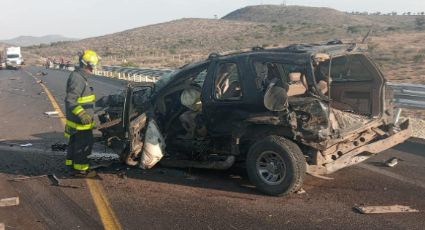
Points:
(276, 166)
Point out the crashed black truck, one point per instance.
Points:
(281, 112)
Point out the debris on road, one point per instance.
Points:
(391, 162)
(6, 202)
(41, 73)
(51, 113)
(384, 209)
(18, 179)
(122, 175)
(59, 147)
(56, 182)
(319, 176)
(26, 145)
(301, 191)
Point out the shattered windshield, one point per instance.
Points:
(165, 79)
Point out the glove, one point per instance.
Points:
(85, 118)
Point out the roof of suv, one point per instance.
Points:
(333, 48)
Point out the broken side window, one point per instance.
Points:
(227, 82)
(288, 76)
(350, 68)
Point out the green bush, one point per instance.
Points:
(129, 64)
(354, 29)
(419, 58)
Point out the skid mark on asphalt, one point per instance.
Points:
(392, 175)
(106, 213)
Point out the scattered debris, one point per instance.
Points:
(51, 113)
(56, 182)
(13, 201)
(384, 209)
(391, 162)
(59, 147)
(122, 175)
(26, 145)
(189, 176)
(101, 165)
(17, 179)
(41, 73)
(301, 191)
(320, 176)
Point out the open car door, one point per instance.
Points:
(145, 141)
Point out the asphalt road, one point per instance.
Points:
(182, 199)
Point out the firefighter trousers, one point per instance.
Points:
(79, 147)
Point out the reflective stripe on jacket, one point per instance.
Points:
(79, 98)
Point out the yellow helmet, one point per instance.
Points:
(89, 58)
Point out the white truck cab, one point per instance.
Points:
(13, 57)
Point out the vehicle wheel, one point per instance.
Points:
(276, 166)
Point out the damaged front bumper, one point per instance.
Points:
(364, 152)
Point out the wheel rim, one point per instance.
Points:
(271, 168)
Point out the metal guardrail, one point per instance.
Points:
(133, 74)
(408, 95)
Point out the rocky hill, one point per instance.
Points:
(396, 43)
(280, 14)
(177, 42)
(31, 40)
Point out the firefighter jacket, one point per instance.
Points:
(79, 97)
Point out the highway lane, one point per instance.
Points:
(42, 206)
(205, 199)
(55, 80)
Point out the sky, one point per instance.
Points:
(88, 18)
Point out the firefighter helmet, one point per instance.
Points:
(89, 58)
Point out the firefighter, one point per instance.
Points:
(79, 103)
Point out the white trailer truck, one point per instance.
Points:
(13, 57)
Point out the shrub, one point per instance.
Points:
(419, 58)
(353, 29)
(129, 64)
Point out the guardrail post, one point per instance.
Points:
(397, 115)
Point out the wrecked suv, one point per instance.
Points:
(280, 112)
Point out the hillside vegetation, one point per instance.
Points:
(31, 40)
(396, 43)
(281, 14)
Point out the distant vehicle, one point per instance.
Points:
(2, 63)
(13, 57)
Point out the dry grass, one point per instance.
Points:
(401, 56)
